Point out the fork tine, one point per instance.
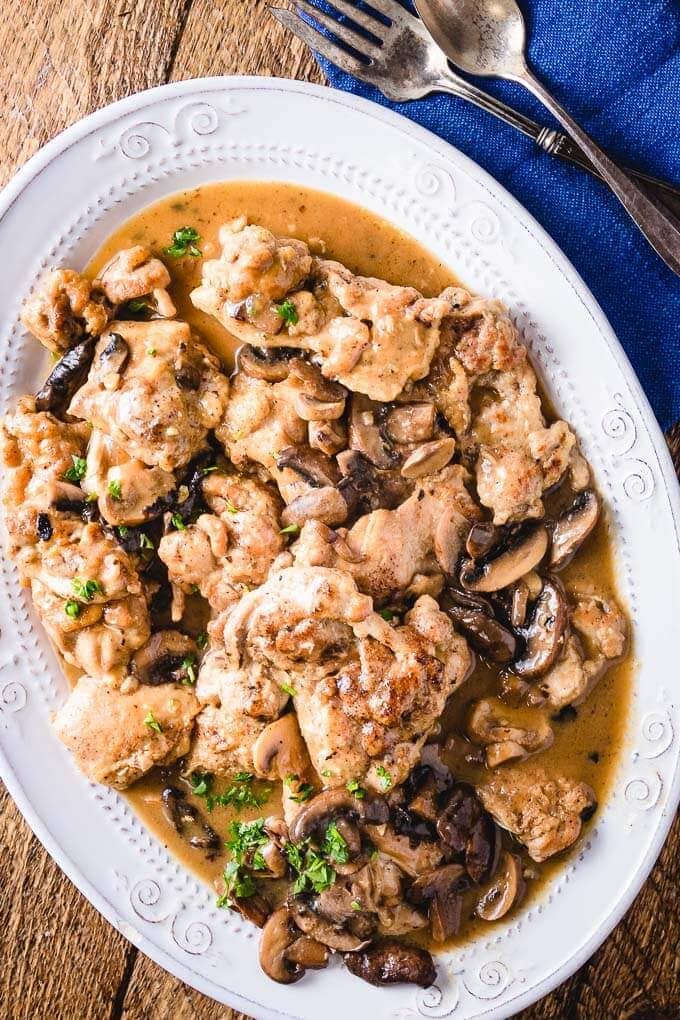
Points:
(367, 21)
(348, 34)
(312, 38)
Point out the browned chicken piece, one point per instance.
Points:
(97, 638)
(388, 551)
(368, 334)
(254, 270)
(366, 694)
(134, 273)
(125, 488)
(155, 390)
(64, 308)
(543, 812)
(230, 550)
(517, 455)
(503, 740)
(602, 626)
(118, 735)
(36, 452)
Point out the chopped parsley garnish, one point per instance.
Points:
(138, 304)
(243, 842)
(145, 542)
(304, 792)
(245, 837)
(77, 471)
(202, 640)
(189, 667)
(178, 522)
(115, 491)
(356, 905)
(152, 722)
(238, 885)
(386, 614)
(123, 530)
(231, 507)
(288, 689)
(288, 312)
(207, 470)
(356, 789)
(72, 609)
(151, 351)
(291, 529)
(183, 243)
(86, 590)
(239, 795)
(313, 870)
(326, 773)
(335, 846)
(384, 776)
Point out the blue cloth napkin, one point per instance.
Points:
(616, 66)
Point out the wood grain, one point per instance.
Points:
(60, 959)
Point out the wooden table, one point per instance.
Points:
(59, 960)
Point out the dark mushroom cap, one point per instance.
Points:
(336, 933)
(270, 364)
(278, 935)
(470, 831)
(476, 618)
(322, 809)
(160, 661)
(544, 635)
(573, 527)
(441, 889)
(520, 549)
(188, 821)
(390, 962)
(67, 376)
(504, 892)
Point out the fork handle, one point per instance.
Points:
(555, 143)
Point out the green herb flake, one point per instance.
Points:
(384, 776)
(356, 789)
(145, 542)
(183, 243)
(201, 783)
(386, 614)
(240, 794)
(356, 905)
(288, 689)
(231, 507)
(178, 522)
(123, 531)
(238, 885)
(304, 792)
(288, 312)
(86, 590)
(72, 609)
(77, 471)
(115, 491)
(246, 837)
(202, 640)
(335, 846)
(208, 470)
(326, 773)
(138, 304)
(152, 352)
(152, 722)
(189, 667)
(291, 529)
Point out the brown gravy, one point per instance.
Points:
(587, 747)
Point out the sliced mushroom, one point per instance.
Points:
(469, 830)
(162, 659)
(278, 936)
(503, 741)
(505, 891)
(115, 356)
(317, 814)
(43, 527)
(314, 397)
(328, 436)
(255, 909)
(279, 750)
(390, 962)
(482, 537)
(411, 423)
(365, 434)
(474, 616)
(308, 953)
(313, 466)
(67, 376)
(441, 889)
(365, 488)
(270, 364)
(573, 527)
(519, 603)
(188, 821)
(544, 635)
(332, 934)
(326, 504)
(520, 551)
(429, 458)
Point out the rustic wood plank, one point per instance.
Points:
(60, 958)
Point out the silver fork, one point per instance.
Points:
(404, 62)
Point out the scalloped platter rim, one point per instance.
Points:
(58, 210)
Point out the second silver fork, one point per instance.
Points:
(404, 63)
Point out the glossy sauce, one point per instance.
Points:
(587, 746)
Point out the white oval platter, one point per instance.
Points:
(58, 210)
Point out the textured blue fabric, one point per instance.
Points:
(616, 66)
